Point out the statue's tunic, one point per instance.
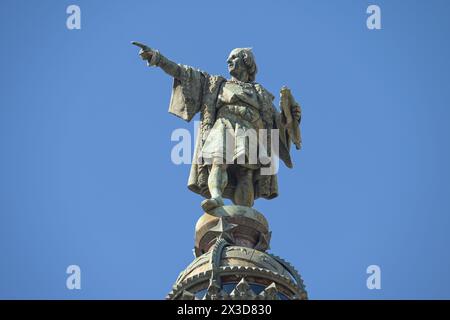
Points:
(228, 109)
(234, 137)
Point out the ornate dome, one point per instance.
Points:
(237, 272)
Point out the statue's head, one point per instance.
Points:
(242, 65)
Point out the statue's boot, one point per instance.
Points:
(211, 204)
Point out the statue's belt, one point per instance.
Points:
(244, 111)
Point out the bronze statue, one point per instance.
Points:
(230, 110)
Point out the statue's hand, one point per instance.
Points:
(146, 53)
(156, 59)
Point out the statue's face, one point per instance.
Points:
(236, 65)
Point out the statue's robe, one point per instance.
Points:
(195, 91)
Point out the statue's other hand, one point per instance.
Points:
(296, 112)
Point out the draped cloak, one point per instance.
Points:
(195, 91)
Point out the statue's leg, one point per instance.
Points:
(217, 181)
(244, 195)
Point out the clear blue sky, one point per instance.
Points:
(85, 170)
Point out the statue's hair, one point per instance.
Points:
(249, 61)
